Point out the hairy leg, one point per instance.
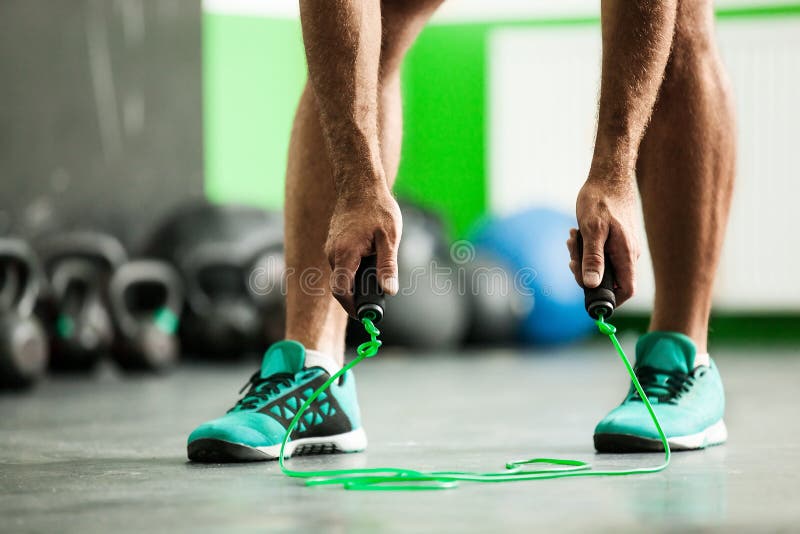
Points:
(314, 317)
(402, 22)
(685, 172)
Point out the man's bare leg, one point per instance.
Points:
(402, 22)
(685, 172)
(343, 157)
(314, 317)
(665, 112)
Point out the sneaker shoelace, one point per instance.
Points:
(261, 389)
(665, 386)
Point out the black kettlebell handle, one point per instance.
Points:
(598, 300)
(10, 291)
(368, 295)
(95, 247)
(14, 252)
(72, 269)
(137, 272)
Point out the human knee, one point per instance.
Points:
(402, 21)
(693, 47)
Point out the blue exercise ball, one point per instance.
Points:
(532, 243)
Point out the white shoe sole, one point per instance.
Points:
(211, 450)
(715, 434)
(353, 441)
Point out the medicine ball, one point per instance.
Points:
(496, 309)
(430, 311)
(532, 243)
(235, 302)
(196, 223)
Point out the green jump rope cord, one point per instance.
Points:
(394, 478)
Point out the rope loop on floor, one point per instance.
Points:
(402, 479)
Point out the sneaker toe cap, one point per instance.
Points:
(624, 422)
(634, 419)
(246, 428)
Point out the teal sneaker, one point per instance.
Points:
(688, 402)
(254, 429)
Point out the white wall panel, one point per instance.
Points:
(543, 91)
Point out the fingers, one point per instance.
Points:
(574, 257)
(594, 236)
(345, 256)
(623, 254)
(344, 262)
(372, 227)
(386, 249)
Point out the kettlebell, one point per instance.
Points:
(79, 266)
(146, 298)
(82, 329)
(234, 302)
(23, 343)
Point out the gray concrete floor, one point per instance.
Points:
(107, 454)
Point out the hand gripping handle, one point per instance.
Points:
(599, 300)
(367, 292)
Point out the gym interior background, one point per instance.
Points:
(142, 142)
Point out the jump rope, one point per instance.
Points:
(369, 301)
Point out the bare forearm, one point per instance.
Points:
(637, 35)
(343, 40)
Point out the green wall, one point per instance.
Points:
(254, 71)
(443, 164)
